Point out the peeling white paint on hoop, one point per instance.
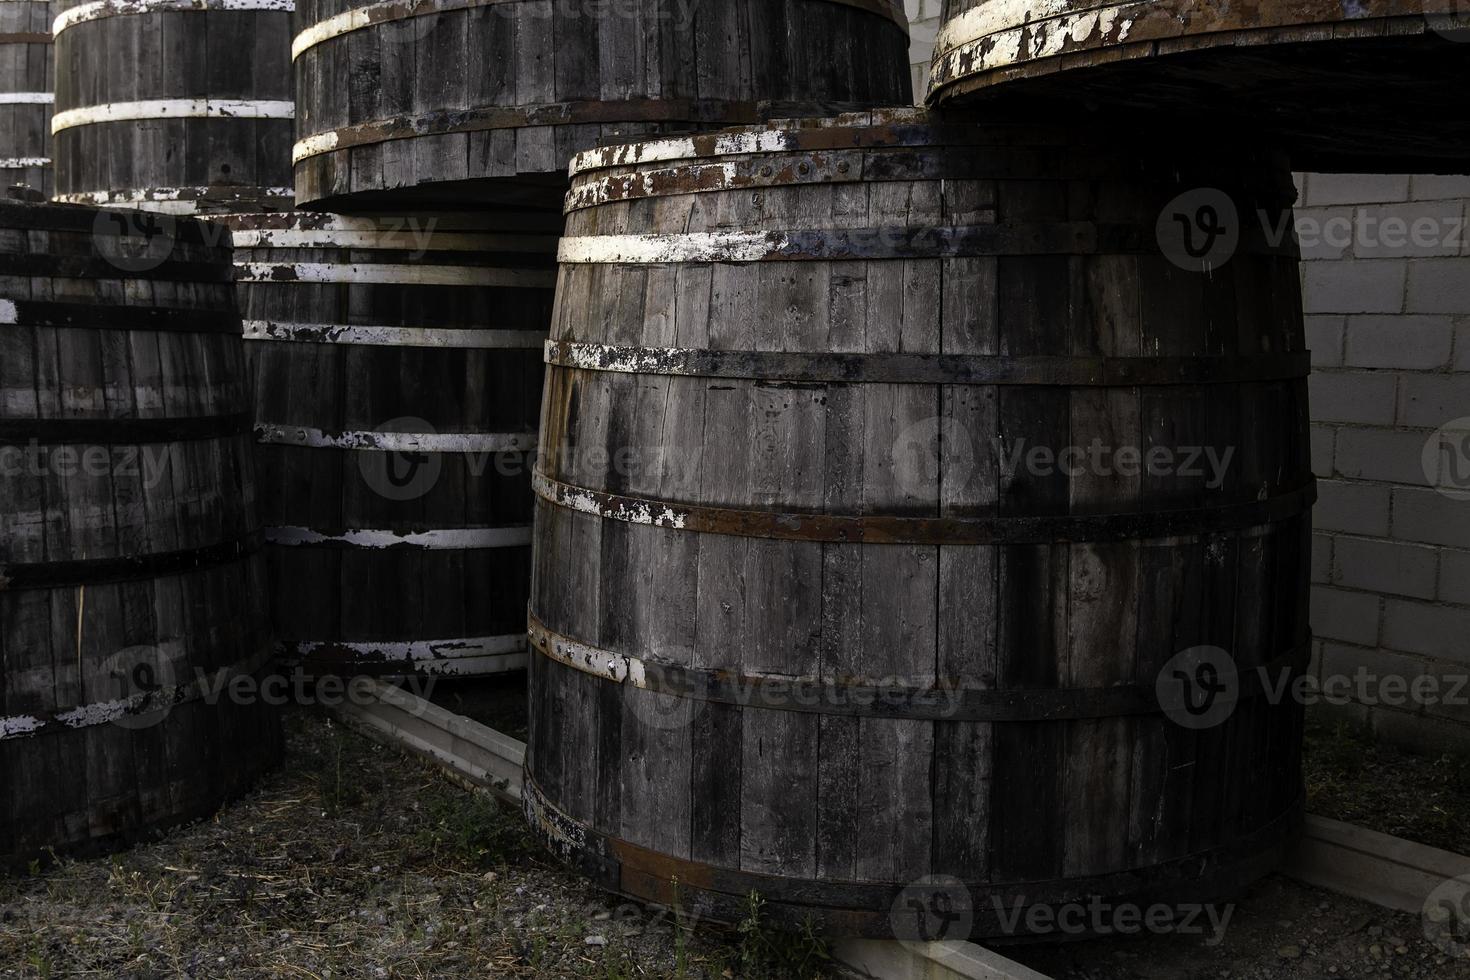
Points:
(458, 648)
(175, 200)
(584, 501)
(314, 145)
(269, 434)
(27, 98)
(439, 539)
(378, 273)
(378, 13)
(21, 163)
(408, 239)
(122, 8)
(722, 246)
(172, 109)
(683, 148)
(366, 336)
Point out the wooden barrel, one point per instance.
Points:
(181, 106)
(388, 107)
(825, 603)
(397, 371)
(131, 580)
(25, 95)
(1362, 86)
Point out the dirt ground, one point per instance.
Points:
(355, 860)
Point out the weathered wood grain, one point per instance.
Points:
(396, 365)
(484, 101)
(131, 580)
(760, 550)
(26, 73)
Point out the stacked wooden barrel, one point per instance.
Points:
(397, 371)
(181, 106)
(1362, 86)
(451, 101)
(811, 617)
(131, 579)
(25, 96)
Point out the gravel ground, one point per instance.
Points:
(356, 861)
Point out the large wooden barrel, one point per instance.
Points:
(1363, 86)
(397, 371)
(131, 580)
(182, 106)
(25, 95)
(826, 604)
(447, 101)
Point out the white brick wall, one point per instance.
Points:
(1387, 288)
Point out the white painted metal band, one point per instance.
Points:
(173, 200)
(342, 333)
(268, 434)
(682, 148)
(402, 239)
(390, 11)
(406, 274)
(27, 98)
(616, 667)
(723, 246)
(443, 539)
(172, 109)
(453, 649)
(16, 163)
(122, 8)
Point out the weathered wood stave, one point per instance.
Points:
(131, 580)
(174, 105)
(653, 609)
(388, 113)
(25, 102)
(1346, 86)
(435, 582)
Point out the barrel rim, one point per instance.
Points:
(83, 218)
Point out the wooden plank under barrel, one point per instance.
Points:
(396, 364)
(182, 106)
(905, 487)
(1364, 86)
(131, 580)
(25, 95)
(454, 101)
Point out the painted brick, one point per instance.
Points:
(1429, 187)
(1449, 698)
(1324, 443)
(1423, 230)
(1339, 660)
(1375, 286)
(1432, 736)
(1328, 189)
(1454, 577)
(1352, 617)
(1386, 455)
(1430, 517)
(1325, 339)
(1416, 343)
(1436, 286)
(1430, 401)
(1322, 558)
(1325, 234)
(1434, 631)
(1390, 567)
(1356, 508)
(1362, 397)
